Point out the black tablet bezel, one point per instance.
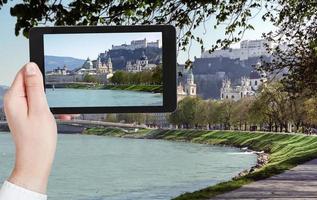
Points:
(168, 54)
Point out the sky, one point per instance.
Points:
(14, 51)
(90, 45)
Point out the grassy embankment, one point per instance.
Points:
(286, 151)
(139, 88)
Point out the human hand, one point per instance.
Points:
(33, 128)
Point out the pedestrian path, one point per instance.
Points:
(298, 183)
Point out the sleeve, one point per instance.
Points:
(10, 191)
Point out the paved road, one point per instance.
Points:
(298, 183)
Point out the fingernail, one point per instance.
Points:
(30, 70)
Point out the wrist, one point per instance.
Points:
(32, 180)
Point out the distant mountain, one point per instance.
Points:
(2, 91)
(52, 62)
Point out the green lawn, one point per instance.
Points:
(140, 88)
(286, 151)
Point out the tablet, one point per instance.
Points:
(107, 69)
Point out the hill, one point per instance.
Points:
(52, 62)
(120, 57)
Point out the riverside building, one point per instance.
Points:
(187, 87)
(140, 64)
(248, 87)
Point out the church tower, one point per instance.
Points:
(190, 86)
(109, 63)
(225, 89)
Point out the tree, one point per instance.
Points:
(310, 106)
(157, 76)
(201, 114)
(213, 110)
(186, 15)
(273, 107)
(118, 77)
(295, 55)
(90, 78)
(241, 112)
(226, 113)
(185, 113)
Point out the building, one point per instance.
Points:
(236, 93)
(59, 71)
(155, 44)
(248, 49)
(140, 64)
(104, 65)
(137, 44)
(86, 68)
(249, 86)
(101, 69)
(187, 86)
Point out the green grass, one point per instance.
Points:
(140, 88)
(286, 151)
(83, 86)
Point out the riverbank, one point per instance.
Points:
(138, 88)
(285, 152)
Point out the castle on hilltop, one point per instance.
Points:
(137, 44)
(248, 49)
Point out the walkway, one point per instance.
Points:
(298, 183)
(98, 123)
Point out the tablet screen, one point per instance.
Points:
(103, 69)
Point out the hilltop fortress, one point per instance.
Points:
(248, 49)
(137, 44)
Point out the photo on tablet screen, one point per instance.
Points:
(103, 69)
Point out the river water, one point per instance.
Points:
(68, 97)
(106, 168)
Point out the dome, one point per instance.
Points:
(88, 64)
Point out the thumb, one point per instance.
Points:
(34, 87)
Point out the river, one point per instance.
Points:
(67, 97)
(107, 168)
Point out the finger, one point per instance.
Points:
(33, 81)
(15, 103)
(17, 88)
